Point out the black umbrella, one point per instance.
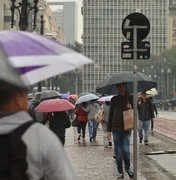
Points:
(49, 94)
(108, 86)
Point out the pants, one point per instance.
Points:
(152, 123)
(122, 148)
(92, 125)
(105, 139)
(144, 125)
(82, 126)
(62, 139)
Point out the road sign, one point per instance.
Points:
(135, 19)
(143, 50)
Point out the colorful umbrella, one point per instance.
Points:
(106, 98)
(73, 96)
(54, 105)
(38, 57)
(65, 96)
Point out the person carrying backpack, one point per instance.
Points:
(25, 153)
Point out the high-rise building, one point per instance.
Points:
(68, 16)
(102, 34)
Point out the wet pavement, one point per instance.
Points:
(91, 161)
(171, 115)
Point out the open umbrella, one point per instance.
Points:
(37, 57)
(86, 98)
(83, 93)
(54, 105)
(49, 94)
(152, 92)
(108, 86)
(73, 96)
(65, 96)
(105, 98)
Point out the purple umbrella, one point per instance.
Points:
(65, 96)
(38, 57)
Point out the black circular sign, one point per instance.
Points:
(136, 19)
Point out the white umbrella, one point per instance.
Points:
(152, 92)
(86, 98)
(37, 57)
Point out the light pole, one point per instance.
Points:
(24, 8)
(162, 83)
(168, 89)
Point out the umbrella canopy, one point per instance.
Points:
(86, 98)
(49, 94)
(37, 57)
(108, 86)
(54, 105)
(106, 98)
(73, 96)
(65, 96)
(83, 93)
(8, 73)
(152, 92)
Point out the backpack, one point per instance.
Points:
(13, 151)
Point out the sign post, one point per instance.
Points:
(135, 28)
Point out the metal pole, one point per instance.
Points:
(167, 85)
(23, 24)
(135, 102)
(41, 32)
(173, 84)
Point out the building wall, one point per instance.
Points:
(102, 34)
(70, 20)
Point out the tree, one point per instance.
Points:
(67, 81)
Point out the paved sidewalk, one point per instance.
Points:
(91, 161)
(166, 127)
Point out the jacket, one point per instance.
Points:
(145, 110)
(45, 156)
(91, 109)
(118, 105)
(81, 115)
(59, 121)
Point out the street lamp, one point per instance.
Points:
(26, 7)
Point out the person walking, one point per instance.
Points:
(30, 150)
(155, 111)
(58, 122)
(91, 109)
(106, 108)
(81, 116)
(120, 103)
(146, 113)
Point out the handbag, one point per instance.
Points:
(75, 122)
(128, 118)
(99, 116)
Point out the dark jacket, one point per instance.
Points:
(145, 110)
(155, 108)
(118, 105)
(59, 122)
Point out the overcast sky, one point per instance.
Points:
(80, 17)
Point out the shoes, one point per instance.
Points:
(94, 139)
(114, 156)
(79, 137)
(120, 176)
(110, 144)
(130, 173)
(146, 142)
(140, 140)
(84, 139)
(91, 139)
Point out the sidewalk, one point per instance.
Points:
(165, 127)
(91, 161)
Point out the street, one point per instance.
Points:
(91, 161)
(167, 115)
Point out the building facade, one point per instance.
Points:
(68, 15)
(102, 35)
(5, 16)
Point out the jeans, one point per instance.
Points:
(92, 125)
(82, 126)
(144, 125)
(152, 123)
(122, 148)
